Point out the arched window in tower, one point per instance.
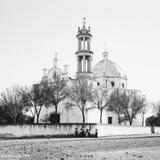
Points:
(112, 84)
(80, 43)
(122, 85)
(83, 43)
(88, 46)
(85, 47)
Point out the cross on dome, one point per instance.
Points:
(105, 53)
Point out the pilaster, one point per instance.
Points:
(88, 64)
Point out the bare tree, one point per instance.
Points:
(56, 91)
(30, 101)
(132, 104)
(154, 120)
(80, 93)
(144, 110)
(115, 105)
(49, 92)
(101, 99)
(3, 116)
(127, 105)
(11, 102)
(35, 97)
(156, 108)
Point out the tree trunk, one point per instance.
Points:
(119, 120)
(37, 120)
(15, 119)
(56, 113)
(38, 113)
(142, 120)
(83, 116)
(56, 110)
(130, 122)
(101, 116)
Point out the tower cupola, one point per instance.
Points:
(84, 53)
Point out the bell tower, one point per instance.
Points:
(84, 53)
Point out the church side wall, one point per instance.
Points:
(74, 115)
(71, 115)
(94, 116)
(67, 114)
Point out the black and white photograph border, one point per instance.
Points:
(79, 80)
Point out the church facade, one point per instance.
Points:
(105, 73)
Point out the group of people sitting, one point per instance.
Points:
(85, 133)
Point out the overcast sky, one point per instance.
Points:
(31, 31)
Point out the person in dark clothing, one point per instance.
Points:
(96, 133)
(86, 132)
(152, 129)
(76, 132)
(83, 133)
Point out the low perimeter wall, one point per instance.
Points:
(68, 130)
(107, 130)
(42, 130)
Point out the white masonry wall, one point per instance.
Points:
(109, 130)
(15, 131)
(38, 130)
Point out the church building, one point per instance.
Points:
(106, 73)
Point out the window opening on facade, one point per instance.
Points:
(109, 120)
(54, 118)
(106, 83)
(122, 85)
(112, 84)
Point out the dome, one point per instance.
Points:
(108, 68)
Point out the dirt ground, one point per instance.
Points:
(81, 149)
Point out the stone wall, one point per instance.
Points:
(109, 130)
(42, 130)
(68, 130)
